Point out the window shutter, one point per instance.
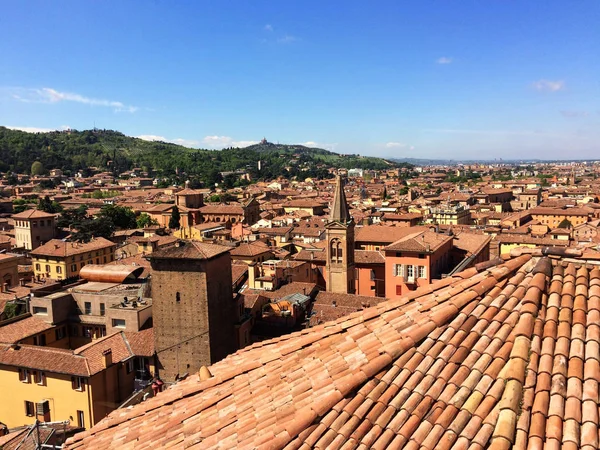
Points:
(73, 383)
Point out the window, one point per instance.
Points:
(60, 333)
(88, 308)
(24, 375)
(80, 419)
(58, 269)
(398, 270)
(102, 309)
(129, 366)
(410, 272)
(87, 332)
(47, 268)
(39, 378)
(422, 272)
(74, 331)
(78, 383)
(29, 409)
(118, 323)
(73, 267)
(42, 340)
(335, 248)
(37, 267)
(40, 310)
(398, 290)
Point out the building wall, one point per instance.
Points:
(553, 220)
(9, 272)
(368, 287)
(435, 263)
(395, 286)
(60, 268)
(64, 401)
(50, 336)
(30, 234)
(109, 389)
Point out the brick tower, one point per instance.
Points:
(339, 232)
(193, 309)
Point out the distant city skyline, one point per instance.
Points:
(467, 80)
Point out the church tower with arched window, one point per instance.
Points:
(340, 244)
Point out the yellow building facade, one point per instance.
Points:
(59, 260)
(82, 385)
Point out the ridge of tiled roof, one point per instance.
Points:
(505, 357)
(189, 250)
(33, 214)
(425, 241)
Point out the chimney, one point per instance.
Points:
(107, 358)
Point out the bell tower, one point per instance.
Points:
(339, 232)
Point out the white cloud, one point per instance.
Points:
(49, 95)
(395, 145)
(287, 39)
(444, 60)
(179, 141)
(548, 85)
(39, 130)
(268, 27)
(211, 142)
(313, 144)
(574, 113)
(219, 142)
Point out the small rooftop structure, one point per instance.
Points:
(113, 273)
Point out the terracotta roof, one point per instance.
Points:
(382, 234)
(250, 249)
(222, 209)
(85, 361)
(423, 242)
(470, 242)
(368, 257)
(141, 342)
(505, 358)
(295, 287)
(23, 328)
(560, 212)
(189, 250)
(33, 214)
(59, 248)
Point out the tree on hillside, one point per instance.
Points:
(37, 168)
(174, 220)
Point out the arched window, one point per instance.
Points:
(335, 251)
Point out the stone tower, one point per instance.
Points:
(193, 309)
(339, 232)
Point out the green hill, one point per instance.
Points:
(112, 151)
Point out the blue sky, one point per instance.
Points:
(437, 79)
